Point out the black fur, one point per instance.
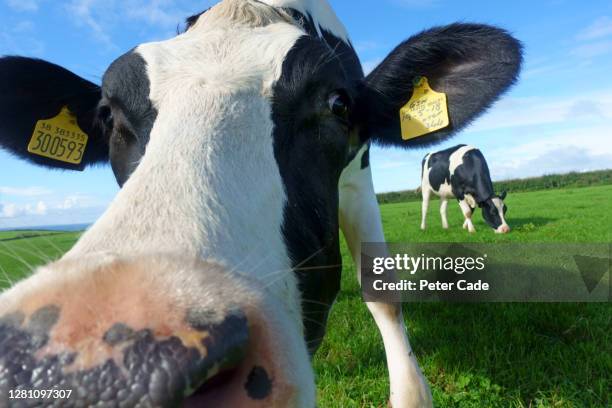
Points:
(306, 132)
(125, 97)
(365, 159)
(473, 64)
(32, 89)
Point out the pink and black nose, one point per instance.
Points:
(115, 337)
(139, 367)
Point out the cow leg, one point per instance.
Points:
(425, 206)
(360, 222)
(467, 213)
(443, 211)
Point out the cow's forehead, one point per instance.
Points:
(220, 60)
(236, 44)
(318, 11)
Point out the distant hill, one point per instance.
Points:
(553, 181)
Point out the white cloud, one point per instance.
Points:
(530, 111)
(595, 39)
(9, 210)
(561, 160)
(12, 210)
(102, 17)
(47, 211)
(157, 12)
(83, 11)
(583, 149)
(23, 5)
(21, 38)
(592, 50)
(602, 27)
(25, 191)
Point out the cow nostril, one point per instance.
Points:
(259, 384)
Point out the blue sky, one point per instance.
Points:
(557, 119)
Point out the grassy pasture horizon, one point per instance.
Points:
(474, 355)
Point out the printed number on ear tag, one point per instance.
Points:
(59, 138)
(425, 112)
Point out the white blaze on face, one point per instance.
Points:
(499, 204)
(208, 185)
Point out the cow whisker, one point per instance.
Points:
(6, 275)
(26, 251)
(40, 253)
(315, 302)
(18, 259)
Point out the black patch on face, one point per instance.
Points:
(490, 214)
(258, 384)
(300, 142)
(118, 334)
(126, 113)
(311, 148)
(343, 51)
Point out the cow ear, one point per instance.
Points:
(472, 64)
(32, 90)
(503, 195)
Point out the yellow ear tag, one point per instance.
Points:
(59, 138)
(425, 112)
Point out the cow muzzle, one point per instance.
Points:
(502, 229)
(125, 335)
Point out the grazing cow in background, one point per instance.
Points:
(241, 146)
(462, 172)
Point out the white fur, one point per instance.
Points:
(360, 222)
(208, 185)
(467, 213)
(499, 204)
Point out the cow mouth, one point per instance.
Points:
(215, 390)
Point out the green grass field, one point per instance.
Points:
(477, 355)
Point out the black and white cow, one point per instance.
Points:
(462, 172)
(241, 146)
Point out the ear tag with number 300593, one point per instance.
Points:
(426, 112)
(59, 138)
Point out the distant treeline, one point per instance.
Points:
(593, 178)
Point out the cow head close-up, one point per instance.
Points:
(241, 146)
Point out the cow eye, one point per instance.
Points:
(339, 103)
(105, 114)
